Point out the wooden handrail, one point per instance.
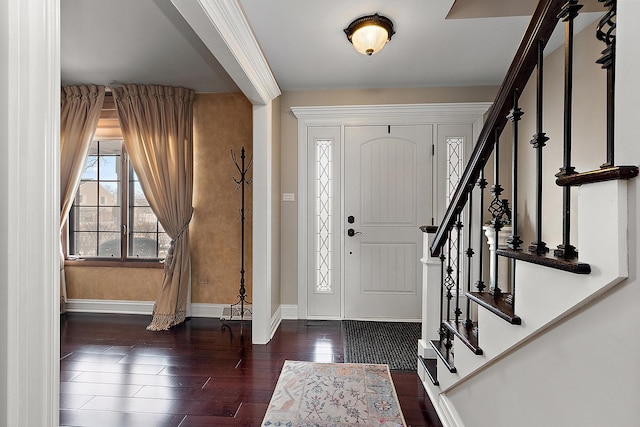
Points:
(543, 22)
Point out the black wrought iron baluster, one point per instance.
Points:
(514, 241)
(514, 116)
(449, 283)
(442, 329)
(605, 32)
(458, 311)
(482, 184)
(499, 209)
(568, 14)
(538, 141)
(469, 252)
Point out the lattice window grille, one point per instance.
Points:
(454, 164)
(323, 216)
(454, 173)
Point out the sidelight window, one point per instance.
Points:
(323, 215)
(455, 167)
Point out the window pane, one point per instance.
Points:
(109, 168)
(109, 245)
(86, 219)
(87, 194)
(144, 245)
(455, 164)
(146, 236)
(164, 241)
(94, 221)
(109, 218)
(148, 245)
(109, 193)
(138, 198)
(90, 171)
(144, 219)
(455, 167)
(323, 216)
(84, 244)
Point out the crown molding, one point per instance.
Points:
(389, 114)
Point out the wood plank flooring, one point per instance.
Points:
(115, 373)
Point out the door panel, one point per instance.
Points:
(387, 173)
(388, 185)
(388, 268)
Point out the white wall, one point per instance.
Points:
(4, 211)
(584, 371)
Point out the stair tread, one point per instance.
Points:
(497, 306)
(467, 335)
(446, 355)
(598, 175)
(431, 368)
(548, 261)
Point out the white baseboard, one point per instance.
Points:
(289, 311)
(441, 403)
(109, 306)
(137, 307)
(451, 417)
(208, 310)
(276, 319)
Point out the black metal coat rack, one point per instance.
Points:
(240, 307)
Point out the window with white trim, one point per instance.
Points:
(110, 217)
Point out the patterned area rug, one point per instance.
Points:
(390, 343)
(334, 395)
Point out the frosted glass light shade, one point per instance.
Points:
(370, 34)
(369, 39)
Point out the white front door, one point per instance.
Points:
(387, 196)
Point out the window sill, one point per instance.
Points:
(113, 263)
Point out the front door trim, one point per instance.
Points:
(363, 115)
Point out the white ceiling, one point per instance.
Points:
(148, 41)
(111, 42)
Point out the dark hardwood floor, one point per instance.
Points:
(115, 373)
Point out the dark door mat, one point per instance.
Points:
(391, 343)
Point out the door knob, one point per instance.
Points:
(351, 232)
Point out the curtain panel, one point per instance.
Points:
(80, 108)
(157, 126)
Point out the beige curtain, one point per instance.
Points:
(80, 108)
(156, 124)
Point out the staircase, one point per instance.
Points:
(501, 339)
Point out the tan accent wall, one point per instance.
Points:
(222, 122)
(113, 283)
(289, 151)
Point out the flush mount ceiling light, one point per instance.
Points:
(369, 34)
